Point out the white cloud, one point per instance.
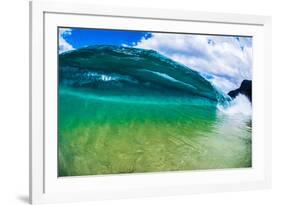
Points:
(226, 60)
(63, 44)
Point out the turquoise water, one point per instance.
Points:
(124, 110)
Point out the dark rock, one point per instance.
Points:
(245, 89)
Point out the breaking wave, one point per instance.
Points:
(129, 71)
(239, 105)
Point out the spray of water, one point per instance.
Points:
(240, 105)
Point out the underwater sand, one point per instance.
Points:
(112, 135)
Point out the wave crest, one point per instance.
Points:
(133, 72)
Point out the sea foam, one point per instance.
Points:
(239, 105)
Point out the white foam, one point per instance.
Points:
(239, 105)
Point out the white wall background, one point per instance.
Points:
(14, 100)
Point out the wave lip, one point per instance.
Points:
(132, 71)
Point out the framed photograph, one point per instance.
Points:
(129, 102)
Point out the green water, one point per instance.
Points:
(111, 135)
(131, 110)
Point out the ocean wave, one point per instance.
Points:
(133, 71)
(238, 106)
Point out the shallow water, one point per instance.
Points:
(128, 110)
(103, 134)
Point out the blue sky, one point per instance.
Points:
(78, 38)
(223, 60)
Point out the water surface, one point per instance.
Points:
(128, 110)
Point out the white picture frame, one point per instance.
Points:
(46, 187)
